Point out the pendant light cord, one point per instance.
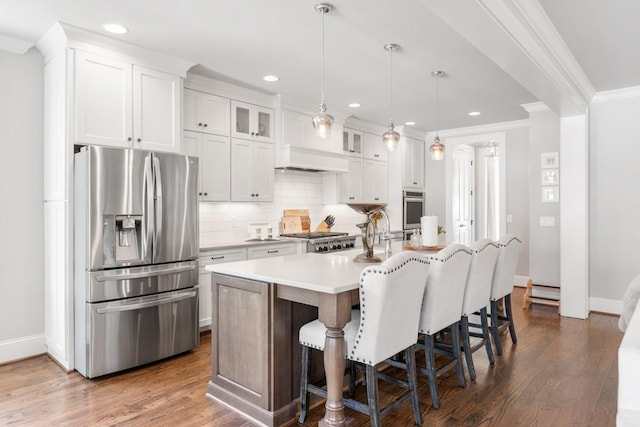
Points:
(437, 103)
(391, 85)
(323, 13)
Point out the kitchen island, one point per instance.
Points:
(254, 333)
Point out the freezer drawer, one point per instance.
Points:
(131, 332)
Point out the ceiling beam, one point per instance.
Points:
(519, 37)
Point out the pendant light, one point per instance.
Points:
(437, 149)
(323, 121)
(391, 138)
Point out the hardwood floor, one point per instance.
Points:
(562, 372)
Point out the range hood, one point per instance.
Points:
(304, 159)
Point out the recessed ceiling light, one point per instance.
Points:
(474, 113)
(410, 123)
(115, 28)
(354, 105)
(271, 78)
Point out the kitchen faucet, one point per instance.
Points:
(387, 233)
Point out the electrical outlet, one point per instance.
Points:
(509, 219)
(547, 221)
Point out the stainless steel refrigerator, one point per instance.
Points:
(136, 258)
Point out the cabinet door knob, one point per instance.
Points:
(129, 139)
(206, 194)
(139, 139)
(199, 124)
(253, 195)
(204, 125)
(200, 194)
(257, 195)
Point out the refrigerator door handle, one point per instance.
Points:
(146, 304)
(144, 274)
(147, 209)
(158, 204)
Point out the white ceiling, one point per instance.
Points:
(242, 40)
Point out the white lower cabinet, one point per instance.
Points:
(252, 172)
(214, 168)
(271, 250)
(211, 257)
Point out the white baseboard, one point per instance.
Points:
(22, 347)
(521, 281)
(603, 305)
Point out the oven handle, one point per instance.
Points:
(146, 304)
(144, 274)
(414, 199)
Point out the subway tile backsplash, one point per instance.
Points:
(228, 222)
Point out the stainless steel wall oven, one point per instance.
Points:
(412, 209)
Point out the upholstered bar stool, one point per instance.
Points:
(386, 324)
(502, 286)
(441, 308)
(476, 298)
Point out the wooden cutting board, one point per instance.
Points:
(303, 214)
(291, 224)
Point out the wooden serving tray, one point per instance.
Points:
(407, 247)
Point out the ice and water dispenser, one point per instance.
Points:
(122, 240)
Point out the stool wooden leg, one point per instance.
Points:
(455, 347)
(372, 396)
(512, 327)
(431, 370)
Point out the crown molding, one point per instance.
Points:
(617, 94)
(15, 45)
(62, 36)
(520, 38)
(480, 129)
(535, 107)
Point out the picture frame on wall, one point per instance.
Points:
(550, 176)
(549, 160)
(550, 194)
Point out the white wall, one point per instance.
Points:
(544, 242)
(614, 197)
(21, 216)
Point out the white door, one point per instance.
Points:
(463, 199)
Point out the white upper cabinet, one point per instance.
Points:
(374, 148)
(250, 121)
(413, 176)
(214, 168)
(104, 103)
(206, 113)
(123, 105)
(374, 182)
(352, 142)
(156, 110)
(252, 172)
(350, 184)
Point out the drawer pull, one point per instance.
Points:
(218, 257)
(274, 251)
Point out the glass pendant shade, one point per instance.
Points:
(437, 149)
(322, 123)
(391, 138)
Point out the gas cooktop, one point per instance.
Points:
(315, 234)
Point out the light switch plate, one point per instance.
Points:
(547, 221)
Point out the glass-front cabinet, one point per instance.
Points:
(352, 142)
(250, 121)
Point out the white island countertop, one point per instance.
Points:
(326, 273)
